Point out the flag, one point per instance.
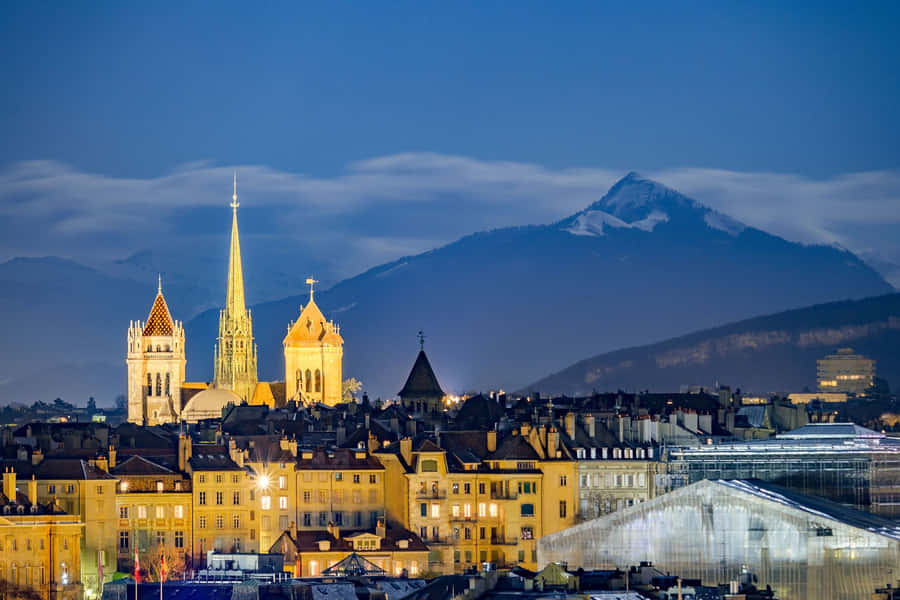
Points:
(137, 567)
(162, 568)
(100, 565)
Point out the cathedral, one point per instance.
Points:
(158, 393)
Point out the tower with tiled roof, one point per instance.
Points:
(156, 362)
(235, 354)
(313, 356)
(422, 394)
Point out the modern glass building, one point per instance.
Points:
(843, 462)
(804, 547)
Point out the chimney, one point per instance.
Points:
(589, 425)
(184, 452)
(340, 434)
(406, 450)
(368, 420)
(373, 443)
(380, 529)
(102, 463)
(334, 530)
(9, 484)
(570, 424)
(235, 453)
(552, 443)
(294, 530)
(492, 441)
(292, 447)
(36, 457)
(112, 457)
(32, 491)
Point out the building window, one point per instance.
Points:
(423, 509)
(313, 564)
(492, 509)
(99, 490)
(357, 518)
(562, 509)
(527, 533)
(266, 502)
(481, 488)
(201, 498)
(435, 511)
(454, 510)
(356, 478)
(220, 522)
(167, 384)
(123, 540)
(563, 481)
(299, 376)
(454, 488)
(482, 509)
(142, 512)
(202, 478)
(429, 466)
(338, 476)
(307, 497)
(373, 478)
(179, 539)
(283, 502)
(236, 498)
(467, 510)
(527, 510)
(308, 381)
(51, 489)
(282, 522)
(160, 511)
(467, 533)
(339, 518)
(357, 497)
(307, 519)
(219, 478)
(160, 486)
(201, 522)
(482, 533)
(149, 384)
(160, 538)
(282, 482)
(158, 385)
(123, 512)
(323, 518)
(323, 496)
(318, 380)
(467, 488)
(236, 521)
(178, 511)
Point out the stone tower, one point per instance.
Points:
(313, 356)
(156, 364)
(422, 394)
(235, 355)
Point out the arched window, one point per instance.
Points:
(167, 384)
(158, 384)
(318, 380)
(299, 380)
(168, 348)
(308, 380)
(149, 384)
(157, 348)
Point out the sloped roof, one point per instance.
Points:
(422, 381)
(353, 566)
(478, 412)
(312, 327)
(138, 465)
(515, 447)
(160, 321)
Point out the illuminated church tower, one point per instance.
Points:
(313, 355)
(235, 355)
(155, 366)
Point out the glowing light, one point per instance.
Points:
(263, 482)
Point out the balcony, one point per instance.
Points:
(431, 495)
(504, 541)
(502, 495)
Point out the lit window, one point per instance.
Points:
(493, 509)
(142, 512)
(282, 502)
(178, 511)
(435, 511)
(160, 512)
(482, 509)
(313, 568)
(467, 510)
(282, 482)
(160, 486)
(266, 502)
(454, 510)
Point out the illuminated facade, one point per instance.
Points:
(804, 547)
(610, 479)
(845, 371)
(313, 356)
(839, 461)
(156, 363)
(235, 356)
(40, 547)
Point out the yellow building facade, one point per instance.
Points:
(40, 548)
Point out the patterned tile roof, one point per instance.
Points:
(160, 321)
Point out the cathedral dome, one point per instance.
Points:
(208, 404)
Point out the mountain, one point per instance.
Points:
(774, 353)
(500, 308)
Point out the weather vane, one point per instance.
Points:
(234, 202)
(311, 282)
(421, 337)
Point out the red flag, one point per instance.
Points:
(162, 567)
(137, 567)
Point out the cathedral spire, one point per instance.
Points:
(234, 299)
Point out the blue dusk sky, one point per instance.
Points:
(396, 126)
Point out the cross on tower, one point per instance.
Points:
(421, 337)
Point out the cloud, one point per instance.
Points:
(389, 206)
